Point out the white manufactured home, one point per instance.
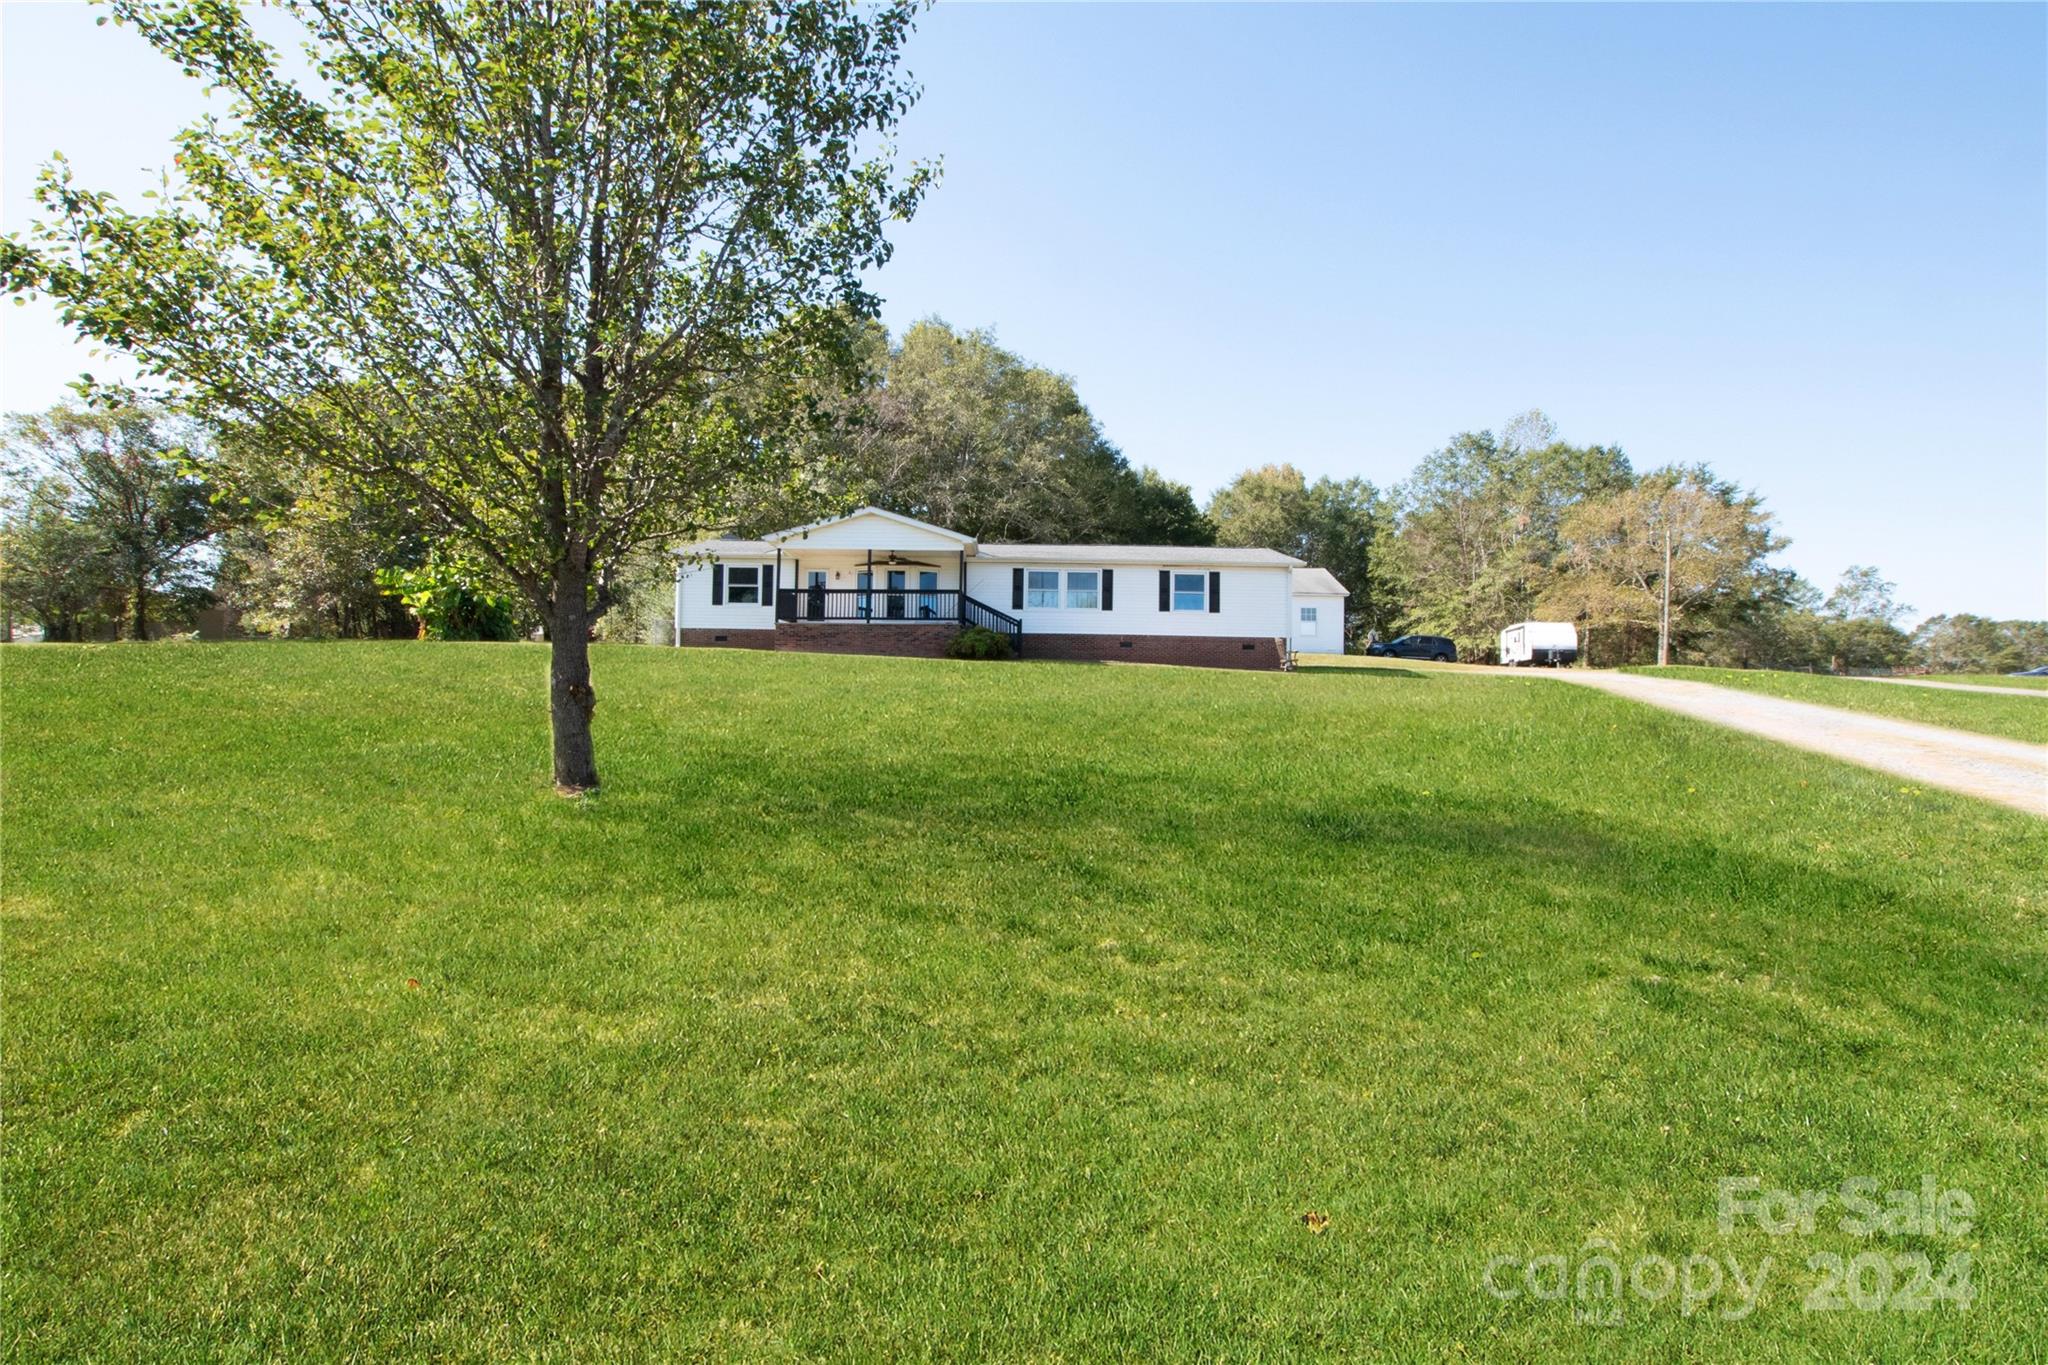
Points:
(877, 582)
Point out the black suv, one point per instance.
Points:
(1434, 647)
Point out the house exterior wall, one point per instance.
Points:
(711, 637)
(1254, 603)
(693, 601)
(1329, 632)
(1201, 651)
(1254, 623)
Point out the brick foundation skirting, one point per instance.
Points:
(911, 640)
(729, 639)
(904, 640)
(1200, 651)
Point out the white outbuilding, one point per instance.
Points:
(1318, 626)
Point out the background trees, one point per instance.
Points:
(1650, 556)
(950, 427)
(54, 566)
(109, 518)
(303, 548)
(1480, 526)
(1963, 643)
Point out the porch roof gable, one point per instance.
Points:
(890, 530)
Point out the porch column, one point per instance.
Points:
(870, 603)
(960, 592)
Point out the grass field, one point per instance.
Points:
(1992, 680)
(888, 1009)
(2007, 717)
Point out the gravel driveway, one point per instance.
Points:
(2003, 770)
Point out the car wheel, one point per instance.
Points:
(1441, 658)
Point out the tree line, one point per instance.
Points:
(127, 520)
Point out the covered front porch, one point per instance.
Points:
(885, 589)
(869, 585)
(878, 569)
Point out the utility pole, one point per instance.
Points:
(1664, 614)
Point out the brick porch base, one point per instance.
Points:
(904, 640)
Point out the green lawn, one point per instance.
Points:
(894, 1009)
(1992, 680)
(2008, 717)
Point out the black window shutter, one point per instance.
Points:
(1016, 590)
(1108, 589)
(1215, 591)
(768, 583)
(1166, 590)
(718, 585)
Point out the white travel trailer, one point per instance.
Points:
(1539, 642)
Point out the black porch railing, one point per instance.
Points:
(886, 606)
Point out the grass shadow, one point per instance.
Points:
(1357, 670)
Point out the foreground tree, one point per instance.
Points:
(516, 261)
(129, 483)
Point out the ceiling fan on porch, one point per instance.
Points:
(896, 561)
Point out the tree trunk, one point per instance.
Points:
(141, 609)
(570, 698)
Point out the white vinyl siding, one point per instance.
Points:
(1255, 602)
(1318, 624)
(694, 609)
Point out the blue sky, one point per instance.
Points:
(1807, 245)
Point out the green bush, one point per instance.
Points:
(978, 642)
(452, 601)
